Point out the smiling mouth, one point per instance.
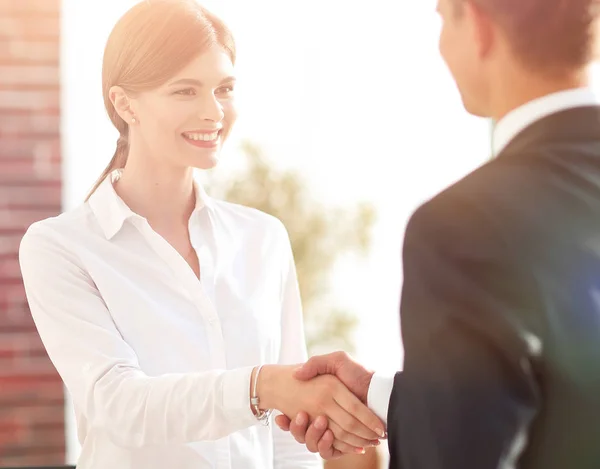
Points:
(203, 139)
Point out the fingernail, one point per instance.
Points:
(299, 419)
(375, 443)
(360, 451)
(320, 424)
(380, 432)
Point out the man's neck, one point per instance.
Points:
(514, 90)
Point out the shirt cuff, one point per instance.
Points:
(378, 396)
(236, 395)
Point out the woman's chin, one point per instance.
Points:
(206, 162)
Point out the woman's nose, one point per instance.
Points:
(211, 109)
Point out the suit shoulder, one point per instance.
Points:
(517, 202)
(480, 209)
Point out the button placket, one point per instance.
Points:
(204, 296)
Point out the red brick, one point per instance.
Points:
(38, 101)
(12, 431)
(14, 51)
(50, 458)
(21, 219)
(48, 393)
(27, 197)
(31, 392)
(14, 317)
(41, 391)
(49, 435)
(35, 414)
(46, 414)
(38, 148)
(13, 76)
(31, 7)
(26, 451)
(29, 125)
(22, 170)
(29, 27)
(9, 243)
(25, 346)
(9, 268)
(10, 292)
(20, 431)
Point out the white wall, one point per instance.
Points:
(353, 94)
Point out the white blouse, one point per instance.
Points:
(157, 362)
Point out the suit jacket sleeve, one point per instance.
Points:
(467, 393)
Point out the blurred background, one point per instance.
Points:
(348, 121)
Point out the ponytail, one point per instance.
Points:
(120, 157)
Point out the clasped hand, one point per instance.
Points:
(315, 395)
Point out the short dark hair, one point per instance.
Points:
(555, 36)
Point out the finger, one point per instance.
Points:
(356, 411)
(313, 367)
(325, 447)
(349, 438)
(283, 422)
(348, 422)
(299, 426)
(317, 365)
(315, 432)
(344, 448)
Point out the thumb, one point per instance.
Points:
(313, 367)
(283, 422)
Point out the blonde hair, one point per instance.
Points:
(151, 43)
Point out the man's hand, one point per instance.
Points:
(354, 376)
(317, 436)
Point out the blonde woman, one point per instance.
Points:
(157, 304)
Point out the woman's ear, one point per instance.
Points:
(122, 103)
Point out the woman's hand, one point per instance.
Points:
(352, 423)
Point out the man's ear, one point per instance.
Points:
(483, 28)
(122, 103)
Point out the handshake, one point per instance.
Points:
(324, 404)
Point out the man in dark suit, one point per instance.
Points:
(500, 306)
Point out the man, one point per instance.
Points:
(500, 305)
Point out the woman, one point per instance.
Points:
(157, 303)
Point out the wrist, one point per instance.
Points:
(365, 384)
(270, 385)
(251, 390)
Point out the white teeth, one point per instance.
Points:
(202, 137)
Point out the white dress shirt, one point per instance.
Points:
(518, 119)
(158, 362)
(505, 130)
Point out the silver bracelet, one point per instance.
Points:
(261, 415)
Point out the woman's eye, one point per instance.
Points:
(186, 92)
(228, 89)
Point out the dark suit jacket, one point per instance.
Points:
(500, 311)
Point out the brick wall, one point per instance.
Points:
(31, 396)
